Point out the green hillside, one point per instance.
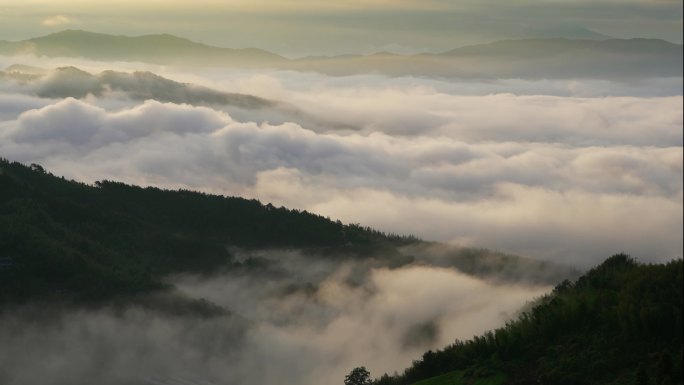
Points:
(620, 323)
(63, 239)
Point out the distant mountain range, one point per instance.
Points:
(148, 48)
(526, 58)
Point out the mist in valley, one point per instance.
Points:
(289, 316)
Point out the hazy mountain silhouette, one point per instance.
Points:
(164, 48)
(73, 82)
(526, 58)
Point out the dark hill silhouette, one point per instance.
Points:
(67, 239)
(95, 242)
(620, 323)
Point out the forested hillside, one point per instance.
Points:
(60, 238)
(620, 323)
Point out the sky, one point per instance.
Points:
(317, 27)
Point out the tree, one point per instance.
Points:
(358, 376)
(665, 368)
(641, 377)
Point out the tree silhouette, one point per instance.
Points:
(358, 376)
(641, 377)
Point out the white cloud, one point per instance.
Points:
(548, 176)
(277, 335)
(56, 21)
(318, 338)
(83, 125)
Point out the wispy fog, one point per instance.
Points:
(296, 319)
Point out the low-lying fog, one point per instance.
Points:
(295, 319)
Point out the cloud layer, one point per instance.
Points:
(547, 176)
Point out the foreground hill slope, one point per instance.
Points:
(60, 239)
(63, 238)
(620, 323)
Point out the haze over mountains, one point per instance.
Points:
(152, 48)
(142, 85)
(531, 58)
(314, 27)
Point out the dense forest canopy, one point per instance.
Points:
(620, 323)
(62, 238)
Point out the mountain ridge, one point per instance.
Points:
(96, 242)
(70, 81)
(155, 48)
(520, 58)
(620, 323)
(79, 34)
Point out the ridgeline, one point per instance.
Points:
(64, 239)
(619, 59)
(619, 324)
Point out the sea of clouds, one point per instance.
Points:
(569, 171)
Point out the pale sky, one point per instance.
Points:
(304, 27)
